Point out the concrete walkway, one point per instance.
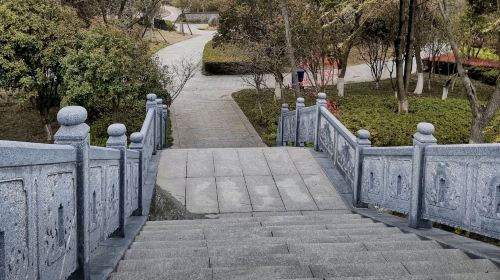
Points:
(247, 180)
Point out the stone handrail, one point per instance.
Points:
(60, 202)
(456, 185)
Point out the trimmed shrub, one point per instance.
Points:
(224, 59)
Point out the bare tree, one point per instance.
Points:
(290, 49)
(481, 114)
(177, 76)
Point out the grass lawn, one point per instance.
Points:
(376, 110)
(171, 37)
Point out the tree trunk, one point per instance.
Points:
(48, 131)
(410, 38)
(290, 49)
(481, 115)
(420, 70)
(343, 64)
(398, 48)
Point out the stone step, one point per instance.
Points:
(462, 276)
(333, 248)
(317, 222)
(209, 233)
(165, 253)
(172, 252)
(261, 273)
(164, 274)
(358, 269)
(172, 235)
(183, 263)
(167, 244)
(248, 250)
(327, 226)
(200, 226)
(269, 219)
(254, 261)
(450, 266)
(317, 258)
(403, 269)
(326, 212)
(334, 232)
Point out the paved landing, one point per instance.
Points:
(239, 180)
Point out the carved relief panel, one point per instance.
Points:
(327, 137)
(485, 212)
(57, 224)
(345, 158)
(307, 125)
(112, 198)
(17, 259)
(372, 180)
(135, 189)
(445, 190)
(96, 206)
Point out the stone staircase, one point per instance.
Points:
(335, 244)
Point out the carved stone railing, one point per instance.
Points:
(456, 185)
(59, 202)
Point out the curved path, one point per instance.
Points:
(205, 115)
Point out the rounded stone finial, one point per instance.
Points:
(284, 106)
(72, 115)
(321, 95)
(425, 128)
(363, 134)
(136, 137)
(117, 129)
(151, 97)
(300, 100)
(165, 107)
(159, 101)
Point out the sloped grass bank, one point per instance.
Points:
(376, 111)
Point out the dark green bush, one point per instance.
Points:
(164, 25)
(224, 59)
(486, 75)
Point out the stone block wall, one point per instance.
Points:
(59, 202)
(456, 185)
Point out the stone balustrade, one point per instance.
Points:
(456, 185)
(60, 202)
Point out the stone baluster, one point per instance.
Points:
(75, 132)
(424, 137)
(363, 141)
(299, 105)
(159, 117)
(151, 104)
(165, 126)
(280, 141)
(118, 140)
(320, 102)
(136, 144)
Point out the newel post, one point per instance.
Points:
(320, 102)
(281, 126)
(136, 144)
(424, 137)
(161, 124)
(75, 132)
(299, 105)
(363, 141)
(151, 104)
(118, 140)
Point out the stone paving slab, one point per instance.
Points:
(264, 194)
(201, 195)
(245, 180)
(232, 195)
(294, 193)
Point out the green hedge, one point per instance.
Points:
(486, 75)
(224, 60)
